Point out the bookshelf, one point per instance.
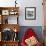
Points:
(5, 24)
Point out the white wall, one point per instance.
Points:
(27, 3)
(39, 13)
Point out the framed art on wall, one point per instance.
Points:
(30, 13)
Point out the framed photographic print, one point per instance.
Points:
(30, 13)
(5, 12)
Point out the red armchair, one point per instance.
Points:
(30, 34)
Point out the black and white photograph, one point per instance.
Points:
(30, 13)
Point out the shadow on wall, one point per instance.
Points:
(37, 29)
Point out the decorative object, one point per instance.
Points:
(5, 12)
(13, 12)
(15, 37)
(7, 34)
(15, 3)
(6, 21)
(30, 13)
(15, 30)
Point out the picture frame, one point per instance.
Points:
(5, 12)
(30, 13)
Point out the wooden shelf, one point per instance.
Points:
(4, 13)
(8, 11)
(5, 8)
(9, 43)
(11, 26)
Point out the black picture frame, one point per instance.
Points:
(30, 13)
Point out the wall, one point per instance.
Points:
(39, 13)
(26, 3)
